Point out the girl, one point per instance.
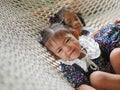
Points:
(75, 57)
(108, 37)
(67, 17)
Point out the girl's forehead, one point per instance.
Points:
(69, 14)
(56, 39)
(58, 36)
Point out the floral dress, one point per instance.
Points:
(108, 38)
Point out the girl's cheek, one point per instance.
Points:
(78, 46)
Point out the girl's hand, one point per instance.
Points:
(85, 87)
(95, 33)
(117, 21)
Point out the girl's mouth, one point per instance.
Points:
(71, 52)
(77, 28)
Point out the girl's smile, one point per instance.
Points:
(64, 45)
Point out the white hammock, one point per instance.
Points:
(24, 63)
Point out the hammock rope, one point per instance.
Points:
(24, 63)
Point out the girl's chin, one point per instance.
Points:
(75, 57)
(78, 29)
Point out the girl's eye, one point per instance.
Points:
(67, 40)
(59, 50)
(76, 19)
(68, 22)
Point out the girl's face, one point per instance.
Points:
(64, 45)
(72, 20)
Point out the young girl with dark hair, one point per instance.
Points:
(77, 59)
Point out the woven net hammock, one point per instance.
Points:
(24, 63)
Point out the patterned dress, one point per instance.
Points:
(108, 38)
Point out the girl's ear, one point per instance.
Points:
(75, 33)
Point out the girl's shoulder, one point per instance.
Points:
(90, 29)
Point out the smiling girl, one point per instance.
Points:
(77, 56)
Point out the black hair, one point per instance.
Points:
(48, 32)
(81, 18)
(56, 18)
(45, 35)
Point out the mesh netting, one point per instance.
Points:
(24, 63)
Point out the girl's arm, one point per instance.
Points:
(85, 87)
(95, 33)
(117, 21)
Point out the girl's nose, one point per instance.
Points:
(67, 49)
(75, 24)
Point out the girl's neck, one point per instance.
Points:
(82, 55)
(79, 34)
